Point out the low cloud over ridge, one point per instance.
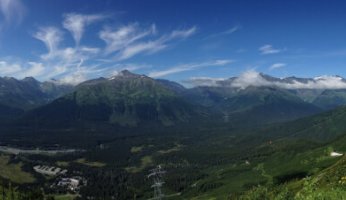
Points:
(256, 79)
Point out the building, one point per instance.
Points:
(49, 170)
(72, 184)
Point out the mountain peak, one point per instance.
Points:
(30, 79)
(126, 74)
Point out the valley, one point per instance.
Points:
(172, 100)
(258, 150)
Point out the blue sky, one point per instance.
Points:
(77, 40)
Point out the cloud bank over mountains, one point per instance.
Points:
(256, 79)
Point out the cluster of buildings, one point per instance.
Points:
(70, 184)
(49, 170)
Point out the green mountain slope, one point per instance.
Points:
(321, 127)
(253, 105)
(330, 99)
(126, 99)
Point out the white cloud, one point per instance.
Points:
(255, 79)
(128, 41)
(51, 37)
(250, 78)
(20, 70)
(153, 46)
(12, 11)
(76, 23)
(65, 63)
(226, 32)
(76, 63)
(231, 30)
(77, 76)
(35, 70)
(8, 69)
(277, 66)
(60, 62)
(124, 36)
(72, 54)
(322, 82)
(269, 49)
(143, 47)
(184, 33)
(188, 67)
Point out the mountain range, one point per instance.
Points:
(275, 131)
(129, 99)
(126, 99)
(18, 96)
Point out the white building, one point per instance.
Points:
(49, 170)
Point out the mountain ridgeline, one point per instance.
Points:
(266, 135)
(132, 100)
(126, 99)
(18, 96)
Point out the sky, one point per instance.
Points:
(72, 41)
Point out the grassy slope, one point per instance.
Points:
(241, 177)
(325, 177)
(13, 171)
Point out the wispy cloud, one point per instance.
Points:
(142, 47)
(60, 62)
(269, 49)
(76, 76)
(51, 37)
(153, 46)
(120, 38)
(128, 41)
(226, 32)
(76, 23)
(73, 63)
(188, 67)
(277, 66)
(13, 12)
(183, 33)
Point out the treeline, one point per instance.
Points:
(111, 184)
(8, 191)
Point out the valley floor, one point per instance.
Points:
(216, 166)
